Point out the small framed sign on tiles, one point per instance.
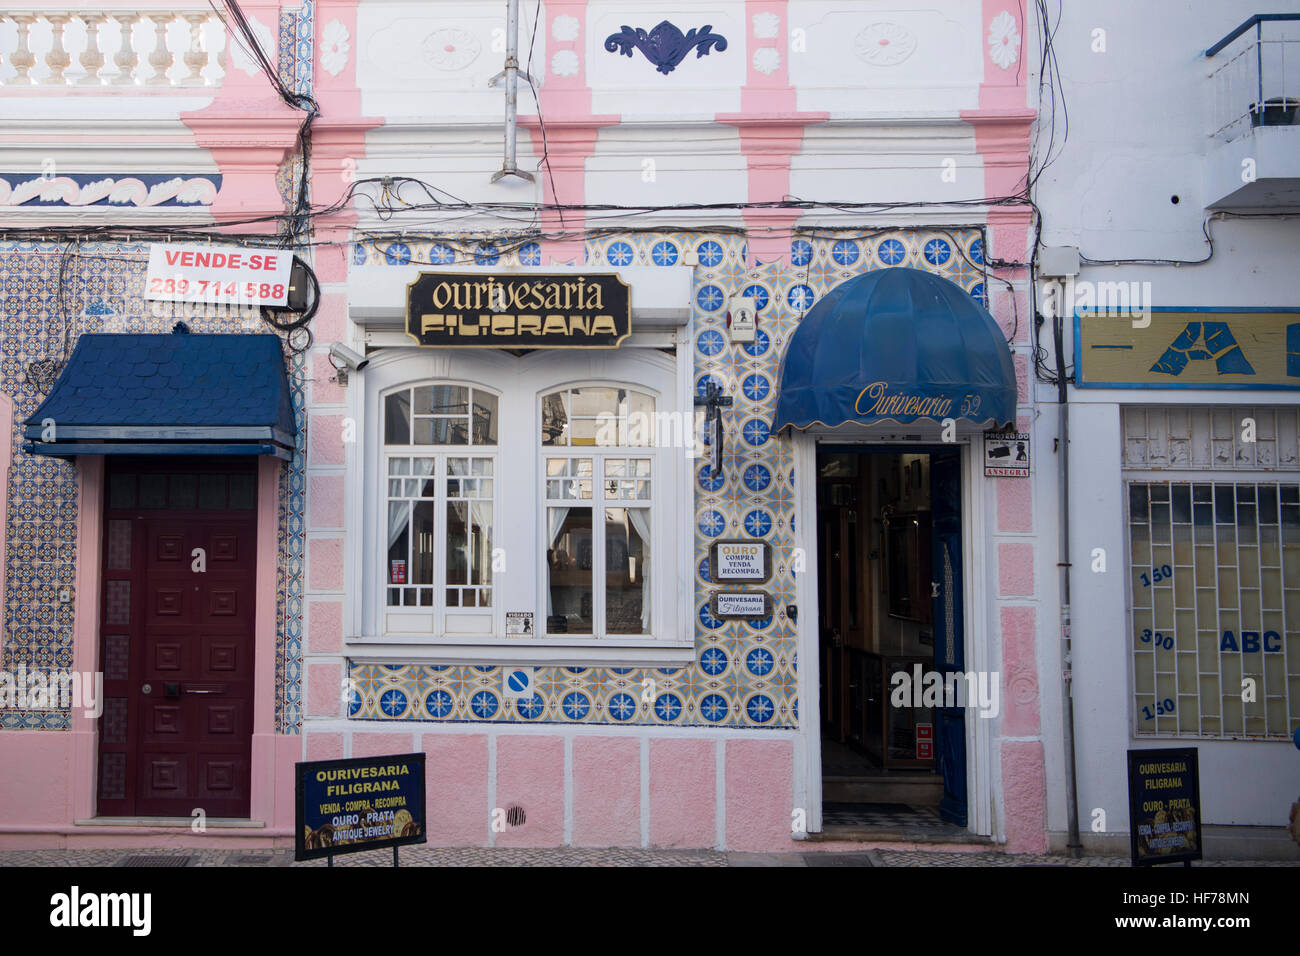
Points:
(740, 605)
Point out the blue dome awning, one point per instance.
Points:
(160, 394)
(896, 345)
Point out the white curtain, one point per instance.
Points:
(641, 522)
(399, 516)
(481, 515)
(554, 522)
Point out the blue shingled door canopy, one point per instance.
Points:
(177, 394)
(896, 345)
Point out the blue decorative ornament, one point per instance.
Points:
(575, 705)
(709, 252)
(668, 707)
(438, 703)
(665, 46)
(530, 708)
(622, 707)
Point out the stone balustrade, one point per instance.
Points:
(149, 48)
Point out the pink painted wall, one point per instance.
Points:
(1020, 714)
(1024, 796)
(249, 131)
(456, 789)
(570, 140)
(683, 781)
(530, 774)
(759, 795)
(606, 791)
(771, 133)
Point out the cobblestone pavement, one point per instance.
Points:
(574, 856)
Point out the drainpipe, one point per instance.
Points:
(511, 74)
(1073, 844)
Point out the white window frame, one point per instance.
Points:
(598, 505)
(518, 510)
(470, 621)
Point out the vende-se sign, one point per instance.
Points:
(179, 272)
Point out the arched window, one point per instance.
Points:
(599, 467)
(521, 509)
(440, 449)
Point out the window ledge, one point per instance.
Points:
(603, 653)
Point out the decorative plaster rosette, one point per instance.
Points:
(265, 39)
(766, 25)
(1004, 40)
(334, 48)
(565, 28)
(564, 63)
(451, 49)
(884, 44)
(767, 60)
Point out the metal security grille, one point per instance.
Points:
(1214, 561)
(1196, 438)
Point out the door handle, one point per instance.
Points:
(194, 690)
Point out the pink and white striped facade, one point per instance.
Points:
(830, 101)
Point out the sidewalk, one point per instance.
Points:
(570, 856)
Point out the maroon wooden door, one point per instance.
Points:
(177, 632)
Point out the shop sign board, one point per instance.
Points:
(1188, 348)
(365, 803)
(185, 272)
(1164, 800)
(743, 605)
(528, 310)
(733, 561)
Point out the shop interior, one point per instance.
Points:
(877, 602)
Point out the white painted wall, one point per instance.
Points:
(1139, 133)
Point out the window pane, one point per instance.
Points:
(182, 491)
(627, 571)
(469, 533)
(640, 420)
(422, 543)
(457, 541)
(593, 402)
(555, 419)
(568, 561)
(212, 492)
(121, 491)
(1212, 610)
(441, 431)
(485, 418)
(397, 419)
(592, 431)
(399, 516)
(243, 491)
(442, 400)
(153, 491)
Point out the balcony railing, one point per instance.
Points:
(112, 48)
(1256, 75)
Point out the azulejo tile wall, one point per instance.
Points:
(745, 674)
(41, 315)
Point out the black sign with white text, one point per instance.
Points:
(525, 310)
